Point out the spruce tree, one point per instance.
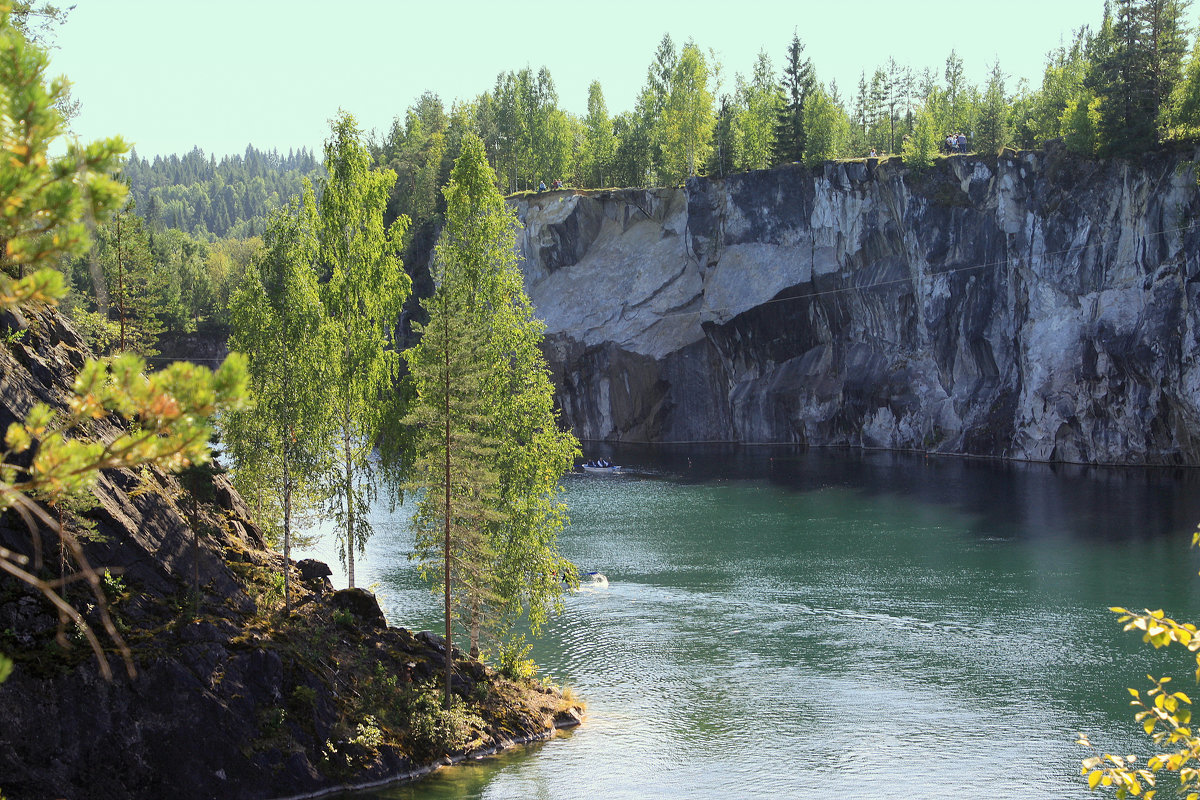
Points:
(798, 81)
(1136, 67)
(991, 125)
(137, 290)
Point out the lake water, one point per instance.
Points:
(781, 623)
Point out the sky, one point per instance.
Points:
(169, 76)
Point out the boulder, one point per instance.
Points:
(361, 603)
(315, 575)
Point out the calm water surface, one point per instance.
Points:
(830, 624)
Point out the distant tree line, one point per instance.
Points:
(211, 199)
(1129, 86)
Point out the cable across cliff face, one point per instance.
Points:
(989, 306)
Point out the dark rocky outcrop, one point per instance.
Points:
(231, 698)
(1030, 306)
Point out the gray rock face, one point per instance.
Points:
(1037, 306)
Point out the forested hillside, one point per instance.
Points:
(1130, 86)
(212, 199)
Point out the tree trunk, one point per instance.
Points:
(475, 628)
(287, 535)
(446, 541)
(349, 508)
(195, 553)
(120, 283)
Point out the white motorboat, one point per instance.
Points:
(600, 468)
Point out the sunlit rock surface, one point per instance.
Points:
(1035, 306)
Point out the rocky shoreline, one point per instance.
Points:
(232, 698)
(445, 761)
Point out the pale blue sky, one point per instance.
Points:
(169, 75)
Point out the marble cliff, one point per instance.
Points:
(1029, 306)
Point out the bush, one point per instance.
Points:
(514, 665)
(369, 735)
(435, 730)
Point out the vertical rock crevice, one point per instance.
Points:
(1032, 306)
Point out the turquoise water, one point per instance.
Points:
(830, 624)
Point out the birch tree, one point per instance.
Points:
(276, 319)
(363, 296)
(688, 118)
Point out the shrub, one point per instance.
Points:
(513, 662)
(436, 730)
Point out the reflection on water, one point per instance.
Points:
(826, 623)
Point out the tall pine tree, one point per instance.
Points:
(799, 80)
(498, 511)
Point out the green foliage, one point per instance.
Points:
(1137, 58)
(47, 200)
(826, 128)
(687, 116)
(363, 292)
(754, 124)
(1163, 715)
(512, 657)
(1184, 115)
(436, 730)
(280, 443)
(489, 449)
(210, 199)
(48, 205)
(368, 735)
(991, 123)
(452, 472)
(1080, 125)
(799, 80)
(953, 104)
(531, 139)
(1062, 83)
(415, 151)
(599, 144)
(139, 292)
(171, 407)
(921, 148)
(114, 586)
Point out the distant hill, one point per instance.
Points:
(211, 199)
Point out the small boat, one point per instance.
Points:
(597, 579)
(600, 467)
